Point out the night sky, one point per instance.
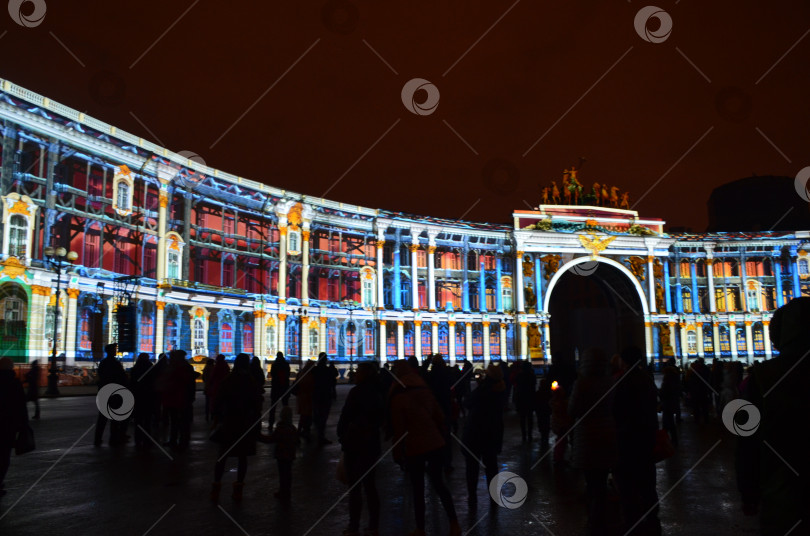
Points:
(711, 103)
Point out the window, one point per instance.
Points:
(150, 260)
(461, 349)
(271, 340)
(708, 342)
(368, 289)
(444, 348)
(409, 347)
(173, 264)
(17, 236)
(494, 341)
(369, 348)
(490, 299)
(199, 336)
(147, 332)
(294, 242)
(391, 343)
(426, 339)
(227, 273)
(720, 299)
(752, 296)
(350, 339)
(478, 343)
(741, 346)
(686, 297)
(313, 342)
(247, 339)
(759, 339)
(506, 293)
(229, 225)
(226, 339)
(84, 330)
(172, 335)
(725, 344)
(804, 268)
(122, 201)
(331, 340)
(92, 239)
(13, 310)
(691, 342)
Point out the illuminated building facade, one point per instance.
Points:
(215, 263)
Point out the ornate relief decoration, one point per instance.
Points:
(13, 268)
(636, 265)
(593, 244)
(552, 263)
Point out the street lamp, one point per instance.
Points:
(301, 312)
(58, 259)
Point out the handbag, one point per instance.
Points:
(663, 446)
(25, 441)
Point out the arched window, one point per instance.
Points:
(331, 339)
(691, 342)
(461, 348)
(409, 347)
(506, 293)
(17, 236)
(741, 346)
(122, 201)
(752, 293)
(477, 343)
(725, 342)
(226, 339)
(494, 341)
(444, 348)
(84, 329)
(759, 338)
(294, 242)
(198, 341)
(147, 332)
(368, 289)
(426, 339)
(313, 342)
(172, 335)
(369, 348)
(173, 264)
(247, 338)
(686, 297)
(391, 343)
(804, 267)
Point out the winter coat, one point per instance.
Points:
(285, 436)
(178, 385)
(635, 401)
(591, 406)
(303, 390)
(239, 406)
(13, 414)
(483, 425)
(525, 385)
(670, 390)
(414, 411)
(358, 428)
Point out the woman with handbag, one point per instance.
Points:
(13, 415)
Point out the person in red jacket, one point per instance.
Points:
(418, 439)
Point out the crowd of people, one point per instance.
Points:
(603, 414)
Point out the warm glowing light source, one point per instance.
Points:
(555, 385)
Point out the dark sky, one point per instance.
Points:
(575, 73)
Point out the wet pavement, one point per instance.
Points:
(68, 486)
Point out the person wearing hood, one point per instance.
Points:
(418, 439)
(483, 431)
(773, 467)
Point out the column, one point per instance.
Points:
(524, 341)
(36, 318)
(161, 246)
(465, 282)
(716, 338)
(303, 341)
(431, 278)
(710, 279)
(282, 263)
(732, 337)
(502, 340)
(414, 274)
(539, 288)
(305, 265)
(486, 343)
(322, 334)
(696, 307)
(684, 341)
(794, 268)
(744, 286)
(259, 344)
(547, 339)
(651, 282)
(434, 337)
(396, 289)
(159, 327)
(482, 285)
(749, 341)
(382, 342)
(777, 276)
(70, 335)
(498, 288)
(281, 343)
(518, 289)
(766, 335)
(451, 342)
(380, 280)
(648, 336)
(468, 341)
(667, 292)
(673, 340)
(417, 339)
(400, 340)
(700, 338)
